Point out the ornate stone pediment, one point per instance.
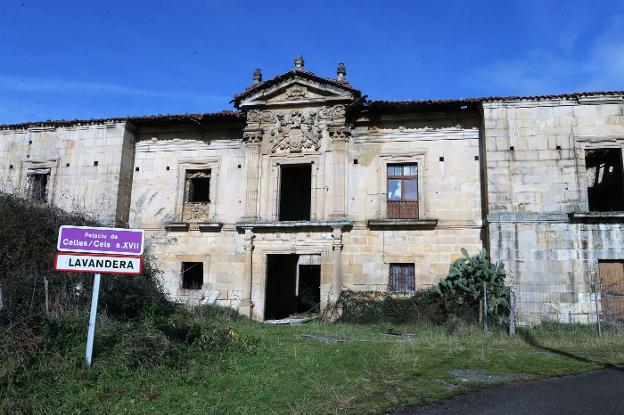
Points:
(296, 87)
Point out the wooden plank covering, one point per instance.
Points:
(612, 290)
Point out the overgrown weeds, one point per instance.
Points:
(45, 313)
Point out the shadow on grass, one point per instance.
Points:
(532, 341)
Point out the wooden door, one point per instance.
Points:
(612, 290)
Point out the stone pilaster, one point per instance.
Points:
(339, 137)
(337, 249)
(253, 140)
(246, 304)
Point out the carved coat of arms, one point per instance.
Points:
(296, 133)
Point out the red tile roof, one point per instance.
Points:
(373, 105)
(143, 119)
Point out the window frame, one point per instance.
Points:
(189, 183)
(183, 271)
(211, 208)
(28, 165)
(269, 199)
(587, 183)
(582, 143)
(417, 157)
(33, 175)
(405, 286)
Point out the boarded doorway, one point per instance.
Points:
(290, 288)
(612, 292)
(295, 192)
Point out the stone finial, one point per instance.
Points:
(257, 76)
(341, 73)
(299, 63)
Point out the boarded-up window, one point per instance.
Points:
(605, 180)
(37, 184)
(192, 275)
(197, 186)
(402, 189)
(402, 278)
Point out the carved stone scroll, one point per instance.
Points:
(332, 113)
(260, 116)
(339, 133)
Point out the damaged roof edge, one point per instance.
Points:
(373, 105)
(138, 120)
(416, 104)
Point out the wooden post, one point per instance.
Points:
(512, 313)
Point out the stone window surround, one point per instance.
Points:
(198, 164)
(417, 157)
(316, 210)
(205, 260)
(591, 142)
(51, 164)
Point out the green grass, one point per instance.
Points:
(289, 374)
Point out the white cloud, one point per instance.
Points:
(564, 68)
(64, 87)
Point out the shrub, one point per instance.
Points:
(27, 248)
(463, 288)
(144, 346)
(424, 306)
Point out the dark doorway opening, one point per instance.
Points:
(285, 295)
(605, 179)
(295, 192)
(309, 289)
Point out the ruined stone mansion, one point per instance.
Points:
(308, 187)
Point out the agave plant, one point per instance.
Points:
(467, 277)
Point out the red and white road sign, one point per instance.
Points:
(104, 264)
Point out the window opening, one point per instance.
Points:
(605, 189)
(192, 275)
(197, 186)
(37, 184)
(295, 192)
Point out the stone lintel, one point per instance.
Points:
(596, 217)
(209, 226)
(402, 223)
(177, 226)
(295, 226)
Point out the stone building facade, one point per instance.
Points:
(308, 187)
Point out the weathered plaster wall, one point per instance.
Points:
(75, 183)
(533, 188)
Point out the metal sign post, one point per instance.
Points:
(92, 316)
(100, 251)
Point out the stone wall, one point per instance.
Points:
(449, 192)
(535, 159)
(71, 153)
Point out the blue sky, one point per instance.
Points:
(85, 59)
